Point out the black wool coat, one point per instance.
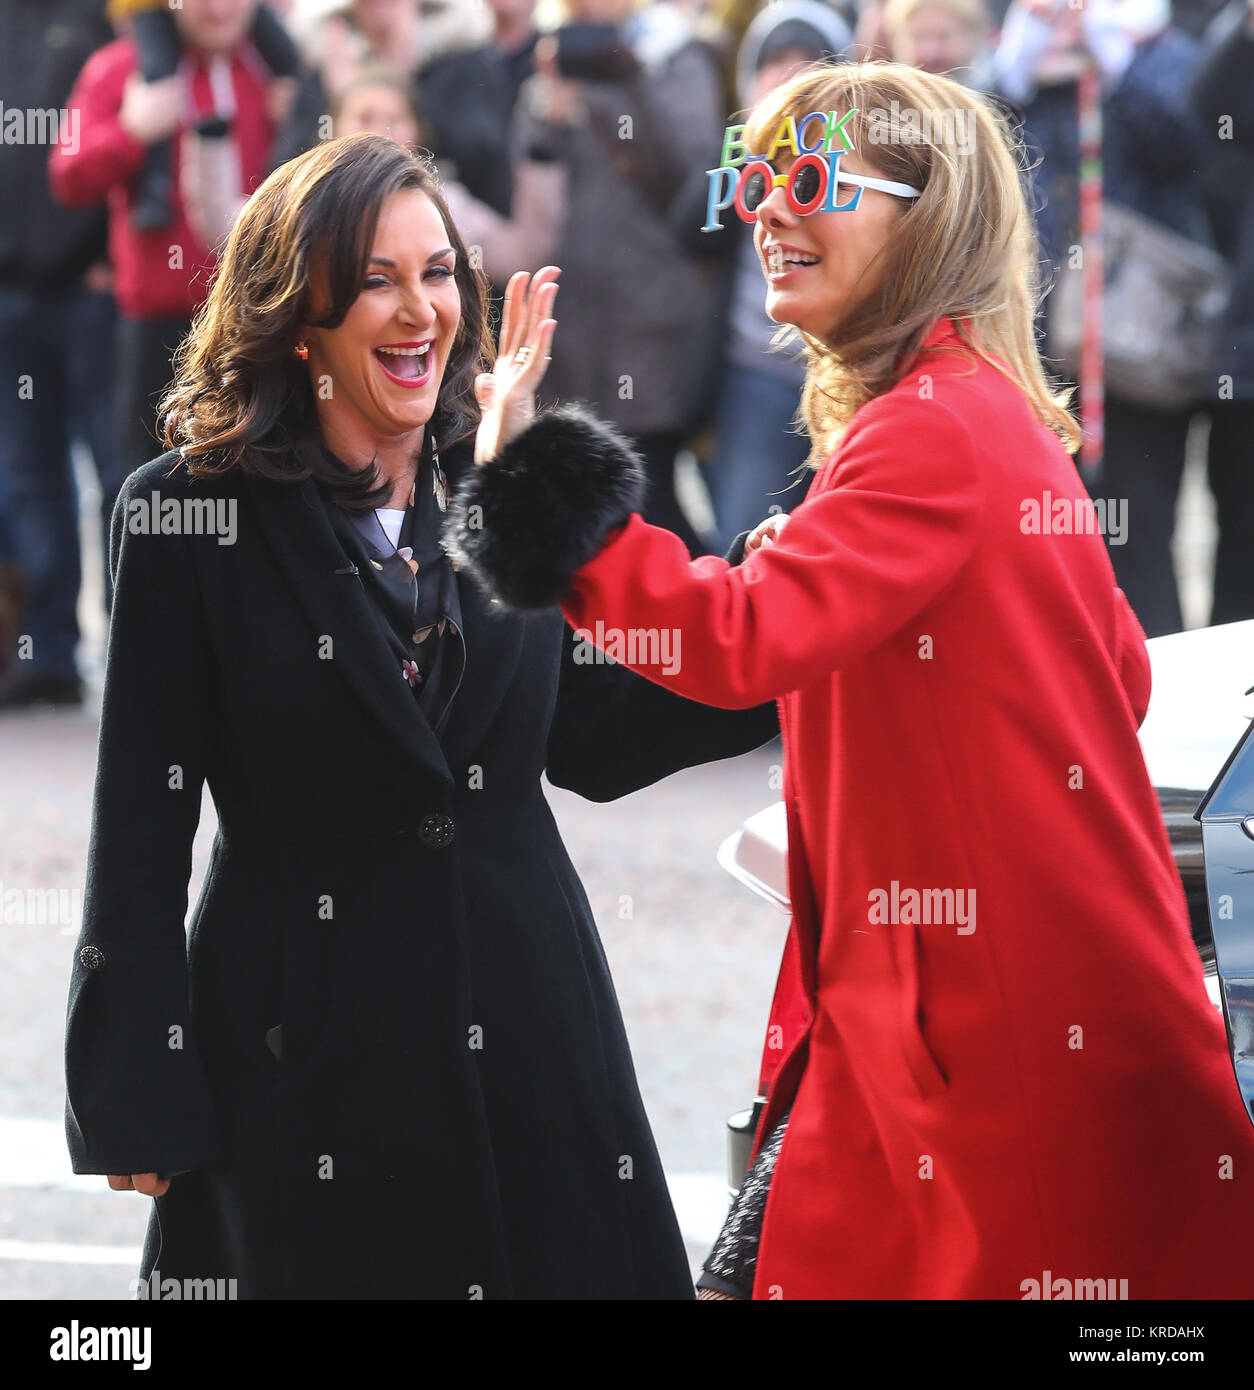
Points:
(452, 1112)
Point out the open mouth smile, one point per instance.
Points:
(407, 364)
(784, 262)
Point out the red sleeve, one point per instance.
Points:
(99, 154)
(1132, 657)
(854, 564)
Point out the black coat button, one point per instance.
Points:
(92, 958)
(436, 831)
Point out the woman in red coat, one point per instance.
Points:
(991, 1038)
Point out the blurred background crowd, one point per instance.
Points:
(579, 134)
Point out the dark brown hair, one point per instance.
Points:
(241, 397)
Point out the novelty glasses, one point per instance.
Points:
(809, 186)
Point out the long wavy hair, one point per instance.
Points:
(966, 248)
(241, 397)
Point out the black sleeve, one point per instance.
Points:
(300, 131)
(274, 43)
(614, 731)
(686, 218)
(464, 102)
(137, 1099)
(1222, 87)
(736, 551)
(157, 43)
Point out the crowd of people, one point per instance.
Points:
(581, 137)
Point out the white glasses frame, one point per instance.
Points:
(898, 190)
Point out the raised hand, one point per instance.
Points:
(506, 394)
(150, 110)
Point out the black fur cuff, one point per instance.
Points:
(522, 524)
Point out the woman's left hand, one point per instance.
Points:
(765, 533)
(506, 394)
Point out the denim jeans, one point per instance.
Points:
(755, 454)
(56, 358)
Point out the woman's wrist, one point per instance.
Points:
(526, 521)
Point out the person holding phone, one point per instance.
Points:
(161, 274)
(629, 103)
(991, 1062)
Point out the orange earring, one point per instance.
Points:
(302, 351)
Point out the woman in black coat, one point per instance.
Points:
(390, 1062)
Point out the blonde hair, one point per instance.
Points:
(966, 248)
(973, 14)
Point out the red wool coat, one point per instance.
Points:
(151, 282)
(960, 698)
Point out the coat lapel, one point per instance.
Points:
(308, 552)
(494, 639)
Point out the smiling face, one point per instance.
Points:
(819, 266)
(386, 360)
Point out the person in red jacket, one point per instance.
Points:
(991, 1039)
(216, 104)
